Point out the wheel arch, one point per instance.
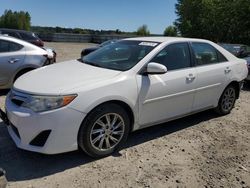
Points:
(22, 70)
(123, 105)
(237, 86)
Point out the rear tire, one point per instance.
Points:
(104, 130)
(227, 100)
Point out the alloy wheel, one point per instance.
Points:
(107, 131)
(228, 99)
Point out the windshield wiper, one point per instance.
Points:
(91, 63)
(94, 64)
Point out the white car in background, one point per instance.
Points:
(95, 102)
(18, 57)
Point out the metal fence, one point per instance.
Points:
(67, 37)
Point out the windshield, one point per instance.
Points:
(122, 55)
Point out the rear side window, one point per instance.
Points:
(6, 46)
(206, 54)
(174, 56)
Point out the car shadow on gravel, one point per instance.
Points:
(23, 165)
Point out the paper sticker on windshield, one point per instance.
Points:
(153, 44)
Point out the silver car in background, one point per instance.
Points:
(17, 57)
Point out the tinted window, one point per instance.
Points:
(206, 54)
(221, 57)
(174, 56)
(6, 46)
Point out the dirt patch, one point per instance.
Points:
(202, 150)
(68, 51)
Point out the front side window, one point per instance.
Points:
(174, 56)
(206, 54)
(121, 55)
(6, 46)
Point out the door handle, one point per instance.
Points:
(190, 77)
(12, 61)
(227, 70)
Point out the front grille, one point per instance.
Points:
(15, 130)
(41, 138)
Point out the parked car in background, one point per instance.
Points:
(31, 38)
(18, 57)
(23, 35)
(89, 50)
(240, 51)
(94, 103)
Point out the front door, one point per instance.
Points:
(169, 95)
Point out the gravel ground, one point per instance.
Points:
(202, 150)
(68, 51)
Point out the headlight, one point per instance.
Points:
(46, 103)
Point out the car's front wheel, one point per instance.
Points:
(104, 130)
(227, 101)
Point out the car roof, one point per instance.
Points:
(165, 39)
(15, 30)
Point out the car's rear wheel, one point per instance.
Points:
(104, 130)
(227, 101)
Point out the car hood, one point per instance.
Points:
(61, 78)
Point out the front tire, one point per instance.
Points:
(227, 101)
(104, 130)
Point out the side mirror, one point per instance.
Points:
(155, 68)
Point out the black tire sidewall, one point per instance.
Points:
(85, 129)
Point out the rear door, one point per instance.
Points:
(11, 58)
(213, 73)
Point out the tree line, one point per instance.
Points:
(50, 30)
(15, 20)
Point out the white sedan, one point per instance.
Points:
(95, 102)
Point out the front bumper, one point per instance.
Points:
(62, 126)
